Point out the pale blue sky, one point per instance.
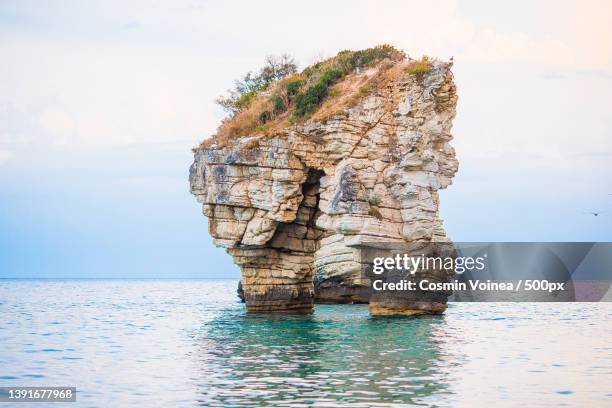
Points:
(101, 102)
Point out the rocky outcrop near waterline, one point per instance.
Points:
(292, 202)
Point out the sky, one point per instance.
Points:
(102, 101)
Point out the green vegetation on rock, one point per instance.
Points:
(279, 91)
(251, 84)
(325, 73)
(419, 68)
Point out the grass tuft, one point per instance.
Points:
(419, 68)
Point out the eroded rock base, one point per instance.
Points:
(335, 292)
(378, 308)
(285, 298)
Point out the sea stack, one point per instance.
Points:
(292, 193)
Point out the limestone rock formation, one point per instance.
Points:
(292, 207)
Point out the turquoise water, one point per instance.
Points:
(188, 343)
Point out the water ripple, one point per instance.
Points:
(190, 343)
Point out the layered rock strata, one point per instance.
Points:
(293, 208)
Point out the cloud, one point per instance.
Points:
(595, 73)
(489, 46)
(58, 123)
(85, 75)
(5, 155)
(103, 94)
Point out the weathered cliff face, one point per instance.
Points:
(291, 207)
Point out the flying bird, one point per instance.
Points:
(596, 214)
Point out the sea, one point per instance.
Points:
(189, 343)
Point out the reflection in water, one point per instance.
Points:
(189, 344)
(331, 356)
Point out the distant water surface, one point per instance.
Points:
(189, 343)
